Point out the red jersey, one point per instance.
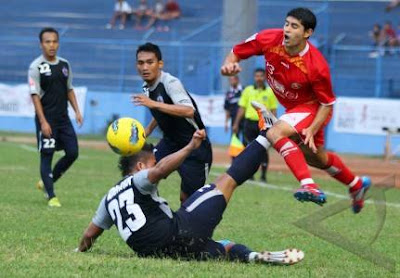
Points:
(294, 79)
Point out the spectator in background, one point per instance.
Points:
(172, 10)
(390, 38)
(156, 14)
(377, 34)
(231, 106)
(121, 10)
(263, 94)
(141, 12)
(164, 13)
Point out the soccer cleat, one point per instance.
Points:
(309, 193)
(358, 195)
(54, 203)
(265, 117)
(285, 257)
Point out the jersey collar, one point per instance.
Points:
(146, 86)
(51, 63)
(303, 52)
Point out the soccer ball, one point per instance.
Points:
(126, 136)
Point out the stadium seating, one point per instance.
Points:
(103, 59)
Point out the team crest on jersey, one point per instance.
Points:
(65, 71)
(45, 69)
(160, 98)
(295, 86)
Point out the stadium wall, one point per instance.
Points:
(100, 107)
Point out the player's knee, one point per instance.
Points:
(274, 134)
(72, 155)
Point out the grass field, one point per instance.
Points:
(36, 241)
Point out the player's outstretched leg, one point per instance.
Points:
(240, 252)
(358, 186)
(294, 158)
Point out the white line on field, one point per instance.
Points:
(33, 149)
(289, 189)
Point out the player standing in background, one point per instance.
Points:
(176, 113)
(231, 104)
(148, 225)
(299, 76)
(50, 85)
(262, 94)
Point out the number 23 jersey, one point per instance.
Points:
(143, 219)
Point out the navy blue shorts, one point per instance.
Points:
(197, 219)
(63, 138)
(194, 170)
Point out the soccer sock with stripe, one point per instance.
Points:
(338, 170)
(294, 158)
(246, 164)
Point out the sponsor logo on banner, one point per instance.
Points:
(15, 101)
(366, 115)
(211, 109)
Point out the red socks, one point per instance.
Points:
(294, 158)
(339, 171)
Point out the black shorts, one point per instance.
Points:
(194, 170)
(196, 221)
(63, 137)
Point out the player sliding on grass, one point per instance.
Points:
(150, 228)
(299, 76)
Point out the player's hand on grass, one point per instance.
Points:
(230, 68)
(309, 138)
(143, 100)
(198, 137)
(79, 119)
(46, 129)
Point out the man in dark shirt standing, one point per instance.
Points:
(50, 85)
(176, 113)
(231, 106)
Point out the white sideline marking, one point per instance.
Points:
(33, 149)
(289, 189)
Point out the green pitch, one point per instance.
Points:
(36, 241)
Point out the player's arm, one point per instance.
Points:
(243, 50)
(100, 222)
(72, 98)
(152, 125)
(90, 235)
(231, 65)
(171, 162)
(239, 117)
(182, 107)
(74, 104)
(227, 117)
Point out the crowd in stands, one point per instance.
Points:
(385, 36)
(145, 15)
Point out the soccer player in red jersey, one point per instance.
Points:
(299, 76)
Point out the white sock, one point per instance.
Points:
(252, 256)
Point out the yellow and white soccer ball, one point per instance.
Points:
(126, 136)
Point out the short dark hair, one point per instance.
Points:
(149, 47)
(259, 70)
(47, 30)
(126, 163)
(305, 16)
